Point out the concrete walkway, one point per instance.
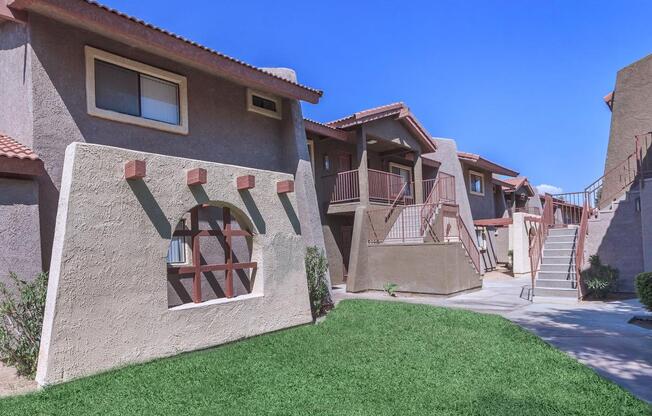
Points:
(595, 333)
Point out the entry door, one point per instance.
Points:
(347, 234)
(344, 162)
(405, 173)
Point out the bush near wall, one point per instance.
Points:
(21, 319)
(644, 289)
(600, 279)
(316, 268)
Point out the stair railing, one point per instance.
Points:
(579, 249)
(399, 197)
(469, 245)
(542, 225)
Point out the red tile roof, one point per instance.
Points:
(74, 10)
(399, 111)
(486, 164)
(518, 182)
(17, 160)
(12, 149)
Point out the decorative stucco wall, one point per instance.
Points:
(107, 297)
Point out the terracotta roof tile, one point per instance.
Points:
(12, 149)
(174, 35)
(21, 5)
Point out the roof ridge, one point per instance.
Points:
(193, 43)
(368, 110)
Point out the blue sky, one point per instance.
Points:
(520, 82)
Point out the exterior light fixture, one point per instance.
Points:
(372, 141)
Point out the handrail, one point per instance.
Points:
(395, 202)
(536, 245)
(467, 242)
(579, 249)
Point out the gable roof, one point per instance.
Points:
(517, 183)
(114, 24)
(398, 111)
(482, 163)
(18, 159)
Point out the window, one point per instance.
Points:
(123, 90)
(405, 172)
(476, 183)
(177, 252)
(481, 238)
(327, 163)
(265, 104)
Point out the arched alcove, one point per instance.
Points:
(211, 255)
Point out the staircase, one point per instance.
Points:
(408, 226)
(556, 277)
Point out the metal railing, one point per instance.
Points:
(401, 224)
(441, 191)
(386, 187)
(346, 187)
(468, 242)
(579, 249)
(542, 226)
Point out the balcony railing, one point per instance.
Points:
(385, 187)
(346, 187)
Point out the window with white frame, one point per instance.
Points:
(476, 183)
(124, 90)
(265, 104)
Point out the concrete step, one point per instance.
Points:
(562, 232)
(559, 275)
(560, 239)
(555, 292)
(566, 260)
(554, 284)
(554, 252)
(553, 245)
(556, 268)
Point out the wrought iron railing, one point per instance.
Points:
(346, 187)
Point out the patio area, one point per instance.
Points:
(595, 333)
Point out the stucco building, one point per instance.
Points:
(387, 198)
(75, 71)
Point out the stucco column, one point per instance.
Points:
(418, 180)
(297, 160)
(363, 168)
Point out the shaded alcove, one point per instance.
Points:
(220, 240)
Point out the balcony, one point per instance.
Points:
(384, 188)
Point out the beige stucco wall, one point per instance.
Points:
(520, 244)
(107, 295)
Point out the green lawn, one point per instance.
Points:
(366, 358)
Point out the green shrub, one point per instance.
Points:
(21, 320)
(600, 279)
(316, 268)
(390, 288)
(644, 289)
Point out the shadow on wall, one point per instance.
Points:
(629, 366)
(225, 258)
(621, 244)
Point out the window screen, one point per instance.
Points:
(116, 89)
